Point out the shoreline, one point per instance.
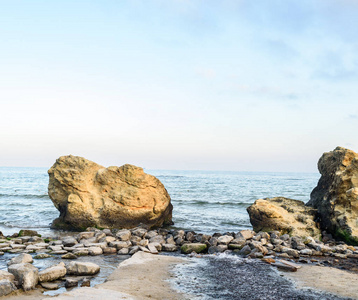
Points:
(133, 279)
(149, 276)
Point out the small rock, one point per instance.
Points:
(82, 268)
(86, 282)
(169, 247)
(52, 273)
(69, 256)
(110, 250)
(95, 251)
(225, 239)
(217, 249)
(71, 282)
(123, 235)
(123, 251)
(42, 256)
(50, 285)
(22, 258)
(196, 247)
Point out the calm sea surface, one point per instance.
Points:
(204, 201)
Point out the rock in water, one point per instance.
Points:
(336, 195)
(285, 215)
(87, 194)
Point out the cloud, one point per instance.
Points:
(206, 73)
(353, 116)
(272, 92)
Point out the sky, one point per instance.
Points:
(176, 84)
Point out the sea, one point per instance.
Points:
(203, 201)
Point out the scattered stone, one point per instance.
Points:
(42, 256)
(22, 258)
(71, 282)
(95, 251)
(123, 251)
(50, 285)
(52, 273)
(82, 268)
(69, 256)
(196, 247)
(169, 247)
(86, 282)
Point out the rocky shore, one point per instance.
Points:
(281, 251)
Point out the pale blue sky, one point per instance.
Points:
(211, 85)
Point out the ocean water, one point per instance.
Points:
(204, 201)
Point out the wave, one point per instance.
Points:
(26, 196)
(216, 203)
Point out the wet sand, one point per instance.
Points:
(326, 279)
(143, 276)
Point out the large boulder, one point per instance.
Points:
(25, 274)
(284, 215)
(336, 195)
(87, 194)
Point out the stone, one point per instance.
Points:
(306, 252)
(153, 233)
(27, 232)
(6, 287)
(86, 282)
(152, 248)
(25, 274)
(133, 250)
(82, 268)
(52, 273)
(110, 250)
(56, 248)
(22, 258)
(141, 232)
(246, 250)
(95, 251)
(69, 241)
(336, 195)
(217, 249)
(285, 215)
(157, 239)
(59, 252)
(225, 239)
(87, 194)
(80, 252)
(193, 247)
(50, 285)
(245, 234)
(71, 282)
(123, 251)
(42, 256)
(124, 235)
(6, 275)
(169, 247)
(69, 256)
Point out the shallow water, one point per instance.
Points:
(203, 201)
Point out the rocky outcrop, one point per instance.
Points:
(336, 195)
(87, 194)
(284, 215)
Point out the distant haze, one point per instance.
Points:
(204, 85)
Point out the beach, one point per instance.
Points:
(148, 276)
